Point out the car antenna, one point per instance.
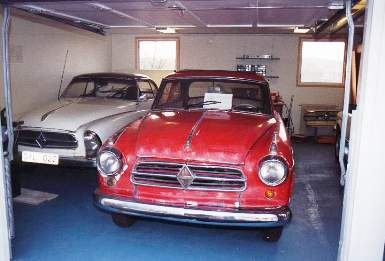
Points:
(62, 75)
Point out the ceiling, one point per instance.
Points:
(189, 16)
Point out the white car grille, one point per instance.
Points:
(46, 139)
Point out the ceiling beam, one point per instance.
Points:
(87, 1)
(94, 29)
(323, 26)
(223, 8)
(196, 17)
(336, 23)
(255, 3)
(74, 21)
(103, 7)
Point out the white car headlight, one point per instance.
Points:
(92, 143)
(272, 171)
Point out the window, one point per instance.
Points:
(77, 89)
(171, 95)
(213, 94)
(145, 88)
(321, 63)
(103, 88)
(161, 54)
(154, 87)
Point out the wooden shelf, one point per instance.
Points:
(258, 58)
(266, 57)
(266, 76)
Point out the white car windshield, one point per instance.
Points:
(103, 88)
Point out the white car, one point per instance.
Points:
(90, 110)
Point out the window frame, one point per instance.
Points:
(153, 91)
(299, 63)
(154, 38)
(264, 87)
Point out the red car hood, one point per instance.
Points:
(211, 136)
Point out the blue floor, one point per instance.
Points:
(70, 228)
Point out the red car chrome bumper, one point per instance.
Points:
(259, 217)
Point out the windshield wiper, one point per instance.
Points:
(203, 103)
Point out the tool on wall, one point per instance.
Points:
(289, 119)
(286, 116)
(62, 75)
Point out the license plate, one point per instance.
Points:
(40, 157)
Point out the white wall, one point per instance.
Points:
(219, 52)
(35, 74)
(37, 63)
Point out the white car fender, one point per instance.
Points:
(107, 126)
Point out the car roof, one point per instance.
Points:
(217, 74)
(113, 75)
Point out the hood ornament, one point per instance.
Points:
(41, 140)
(45, 115)
(187, 144)
(273, 146)
(185, 177)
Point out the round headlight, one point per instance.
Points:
(109, 162)
(92, 143)
(272, 172)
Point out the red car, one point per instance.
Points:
(211, 151)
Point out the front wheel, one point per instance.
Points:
(272, 234)
(123, 220)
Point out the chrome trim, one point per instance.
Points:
(45, 129)
(277, 182)
(188, 213)
(207, 163)
(38, 145)
(179, 186)
(87, 141)
(117, 154)
(185, 180)
(193, 130)
(45, 115)
(273, 146)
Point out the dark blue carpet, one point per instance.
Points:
(70, 228)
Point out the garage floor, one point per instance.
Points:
(70, 228)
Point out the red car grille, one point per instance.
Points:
(190, 177)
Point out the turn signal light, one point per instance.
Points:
(269, 193)
(111, 181)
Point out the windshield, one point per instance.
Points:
(216, 94)
(102, 87)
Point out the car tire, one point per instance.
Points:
(272, 234)
(123, 220)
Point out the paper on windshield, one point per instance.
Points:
(225, 101)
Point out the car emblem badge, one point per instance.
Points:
(185, 177)
(41, 140)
